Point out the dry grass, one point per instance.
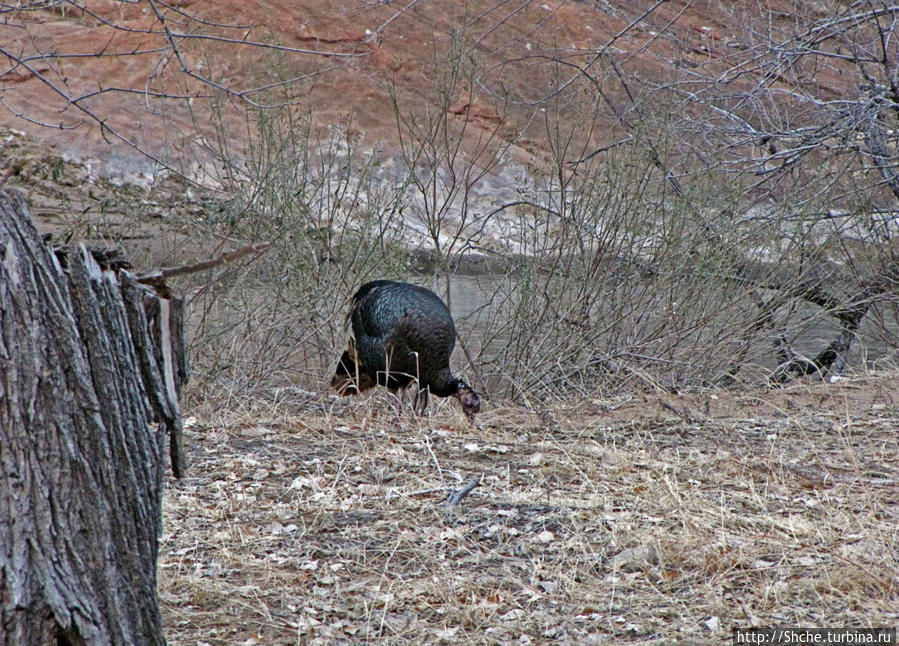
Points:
(655, 520)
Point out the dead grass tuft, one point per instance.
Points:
(651, 521)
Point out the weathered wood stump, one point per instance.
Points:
(91, 366)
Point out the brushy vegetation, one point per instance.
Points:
(727, 222)
(720, 233)
(602, 277)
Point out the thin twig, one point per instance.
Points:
(228, 257)
(418, 492)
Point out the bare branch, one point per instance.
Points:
(225, 258)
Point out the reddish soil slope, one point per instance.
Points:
(349, 60)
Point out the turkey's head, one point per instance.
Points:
(468, 399)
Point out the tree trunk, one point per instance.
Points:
(90, 372)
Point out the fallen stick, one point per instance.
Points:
(457, 496)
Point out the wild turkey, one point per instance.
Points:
(402, 333)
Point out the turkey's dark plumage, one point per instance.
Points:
(401, 333)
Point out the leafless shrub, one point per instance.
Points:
(767, 231)
(615, 275)
(615, 285)
(331, 224)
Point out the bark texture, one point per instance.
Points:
(89, 383)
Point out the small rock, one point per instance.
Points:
(634, 559)
(549, 587)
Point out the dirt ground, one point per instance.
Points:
(644, 519)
